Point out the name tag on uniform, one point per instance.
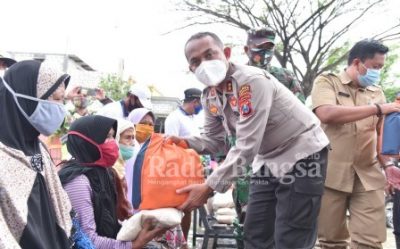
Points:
(344, 94)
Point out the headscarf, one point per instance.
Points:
(102, 182)
(33, 79)
(123, 125)
(124, 208)
(35, 208)
(94, 127)
(138, 114)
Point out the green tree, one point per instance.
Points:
(115, 87)
(387, 77)
(390, 93)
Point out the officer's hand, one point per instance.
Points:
(390, 107)
(198, 195)
(393, 176)
(176, 140)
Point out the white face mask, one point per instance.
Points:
(47, 117)
(211, 72)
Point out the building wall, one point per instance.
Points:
(79, 75)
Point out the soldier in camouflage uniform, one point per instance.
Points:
(260, 49)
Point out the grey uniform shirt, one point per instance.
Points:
(272, 127)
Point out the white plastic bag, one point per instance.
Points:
(165, 217)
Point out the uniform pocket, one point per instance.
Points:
(305, 202)
(367, 124)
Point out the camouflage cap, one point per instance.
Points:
(259, 36)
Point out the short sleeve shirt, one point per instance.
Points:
(353, 144)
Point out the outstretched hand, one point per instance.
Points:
(198, 195)
(176, 140)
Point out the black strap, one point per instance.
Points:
(64, 77)
(379, 110)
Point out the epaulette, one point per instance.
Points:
(374, 88)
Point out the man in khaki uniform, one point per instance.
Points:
(350, 107)
(269, 129)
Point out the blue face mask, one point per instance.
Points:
(47, 117)
(370, 77)
(198, 109)
(126, 151)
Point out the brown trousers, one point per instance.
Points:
(366, 226)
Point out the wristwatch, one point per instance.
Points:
(379, 110)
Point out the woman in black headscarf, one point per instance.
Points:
(90, 183)
(34, 209)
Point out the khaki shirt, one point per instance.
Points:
(272, 127)
(353, 144)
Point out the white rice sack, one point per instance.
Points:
(165, 217)
(225, 219)
(224, 200)
(226, 211)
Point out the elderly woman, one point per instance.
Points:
(90, 183)
(143, 121)
(34, 209)
(125, 138)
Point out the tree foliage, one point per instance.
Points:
(115, 87)
(388, 79)
(390, 93)
(311, 32)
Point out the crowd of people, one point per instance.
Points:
(297, 173)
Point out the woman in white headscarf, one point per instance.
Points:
(125, 137)
(143, 121)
